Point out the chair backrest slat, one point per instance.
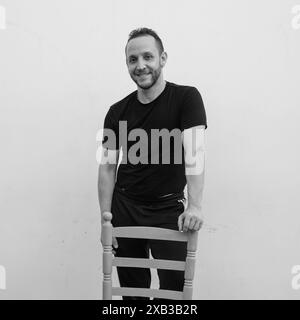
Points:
(149, 263)
(141, 292)
(150, 233)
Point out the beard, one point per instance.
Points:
(153, 77)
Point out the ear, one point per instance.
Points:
(163, 59)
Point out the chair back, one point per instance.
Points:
(188, 266)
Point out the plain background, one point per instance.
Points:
(62, 65)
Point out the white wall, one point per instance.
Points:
(62, 65)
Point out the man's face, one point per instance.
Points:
(144, 61)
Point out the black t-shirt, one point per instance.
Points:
(177, 107)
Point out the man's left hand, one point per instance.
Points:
(191, 219)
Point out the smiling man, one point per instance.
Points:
(148, 193)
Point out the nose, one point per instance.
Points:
(140, 65)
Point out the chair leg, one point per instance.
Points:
(107, 256)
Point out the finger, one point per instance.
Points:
(193, 223)
(198, 225)
(201, 224)
(115, 243)
(180, 218)
(186, 224)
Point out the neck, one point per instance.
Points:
(148, 95)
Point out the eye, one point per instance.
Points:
(147, 57)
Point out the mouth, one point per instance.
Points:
(143, 75)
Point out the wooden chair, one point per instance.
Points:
(109, 260)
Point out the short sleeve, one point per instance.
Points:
(192, 110)
(110, 131)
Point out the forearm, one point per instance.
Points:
(195, 184)
(106, 184)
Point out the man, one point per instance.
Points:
(149, 188)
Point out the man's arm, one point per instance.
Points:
(106, 185)
(194, 155)
(106, 179)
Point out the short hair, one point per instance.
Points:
(139, 32)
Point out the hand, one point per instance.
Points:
(114, 245)
(191, 219)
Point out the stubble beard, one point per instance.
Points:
(154, 77)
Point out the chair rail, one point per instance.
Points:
(149, 263)
(144, 292)
(150, 233)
